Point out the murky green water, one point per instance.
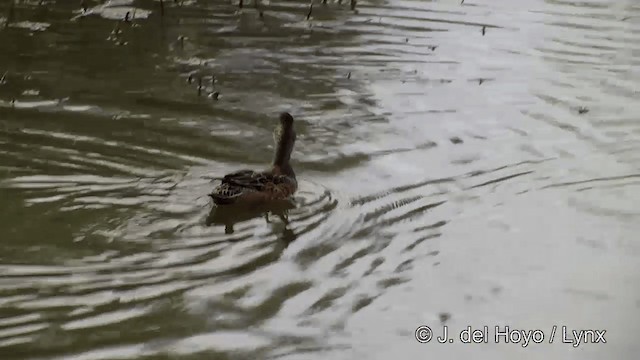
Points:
(448, 174)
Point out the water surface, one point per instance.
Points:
(473, 164)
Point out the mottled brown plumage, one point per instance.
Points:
(276, 183)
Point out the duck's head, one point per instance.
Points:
(286, 120)
(284, 132)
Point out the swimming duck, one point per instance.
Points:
(276, 183)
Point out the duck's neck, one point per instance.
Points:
(282, 155)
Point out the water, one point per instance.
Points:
(446, 177)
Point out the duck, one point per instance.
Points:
(277, 183)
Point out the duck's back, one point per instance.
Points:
(252, 186)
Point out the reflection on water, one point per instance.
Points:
(477, 160)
